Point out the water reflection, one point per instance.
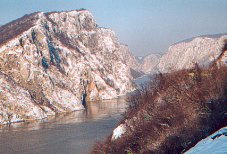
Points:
(95, 110)
(66, 133)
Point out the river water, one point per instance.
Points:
(73, 133)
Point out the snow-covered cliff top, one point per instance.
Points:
(58, 60)
(201, 50)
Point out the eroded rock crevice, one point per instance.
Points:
(58, 61)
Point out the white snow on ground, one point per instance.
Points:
(120, 130)
(214, 144)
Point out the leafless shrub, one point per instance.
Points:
(17, 27)
(173, 112)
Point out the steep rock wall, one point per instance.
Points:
(49, 61)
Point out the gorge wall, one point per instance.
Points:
(50, 61)
(203, 50)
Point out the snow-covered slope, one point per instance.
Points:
(150, 62)
(183, 55)
(201, 50)
(49, 61)
(214, 144)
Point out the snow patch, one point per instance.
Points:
(118, 132)
(215, 143)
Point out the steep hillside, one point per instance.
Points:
(202, 50)
(149, 63)
(172, 113)
(183, 55)
(51, 62)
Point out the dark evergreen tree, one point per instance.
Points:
(45, 63)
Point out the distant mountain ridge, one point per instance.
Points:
(184, 54)
(208, 36)
(149, 63)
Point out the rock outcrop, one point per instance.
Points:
(222, 59)
(200, 50)
(149, 63)
(50, 62)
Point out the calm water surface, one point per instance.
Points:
(73, 133)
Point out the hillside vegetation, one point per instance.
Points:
(173, 112)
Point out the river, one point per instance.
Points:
(72, 133)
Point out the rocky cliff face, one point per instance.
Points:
(150, 62)
(201, 50)
(183, 55)
(49, 62)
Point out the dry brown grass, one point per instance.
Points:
(17, 27)
(173, 112)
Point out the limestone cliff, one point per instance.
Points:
(149, 63)
(48, 61)
(183, 55)
(203, 50)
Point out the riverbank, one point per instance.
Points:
(171, 113)
(65, 133)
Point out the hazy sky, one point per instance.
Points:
(147, 26)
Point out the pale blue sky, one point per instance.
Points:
(147, 26)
